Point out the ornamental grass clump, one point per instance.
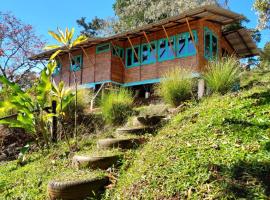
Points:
(222, 75)
(116, 106)
(176, 86)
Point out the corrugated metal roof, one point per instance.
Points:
(211, 13)
(242, 42)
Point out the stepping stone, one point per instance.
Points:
(135, 130)
(152, 120)
(123, 143)
(77, 190)
(97, 162)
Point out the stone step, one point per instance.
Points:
(150, 120)
(77, 190)
(96, 162)
(139, 130)
(122, 143)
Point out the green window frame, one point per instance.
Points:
(102, 48)
(77, 63)
(131, 60)
(165, 52)
(119, 50)
(210, 44)
(147, 55)
(184, 44)
(57, 70)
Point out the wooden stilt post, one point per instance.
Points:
(54, 122)
(168, 38)
(136, 55)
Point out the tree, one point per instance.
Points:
(18, 42)
(93, 28)
(66, 43)
(134, 13)
(263, 9)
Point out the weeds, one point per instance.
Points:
(222, 75)
(116, 106)
(176, 86)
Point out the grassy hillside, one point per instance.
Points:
(216, 149)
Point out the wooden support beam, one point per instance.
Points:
(136, 55)
(170, 44)
(124, 66)
(148, 41)
(192, 36)
(244, 42)
(88, 58)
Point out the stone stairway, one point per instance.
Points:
(127, 138)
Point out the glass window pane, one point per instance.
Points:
(214, 46)
(162, 49)
(170, 49)
(181, 45)
(129, 57)
(152, 52)
(145, 53)
(135, 59)
(191, 47)
(207, 44)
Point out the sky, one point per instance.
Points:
(49, 14)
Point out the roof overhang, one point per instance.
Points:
(210, 13)
(242, 43)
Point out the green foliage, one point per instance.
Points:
(32, 115)
(176, 86)
(116, 106)
(222, 75)
(216, 149)
(263, 9)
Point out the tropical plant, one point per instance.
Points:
(66, 43)
(222, 75)
(32, 111)
(116, 106)
(175, 86)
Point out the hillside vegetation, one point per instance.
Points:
(216, 149)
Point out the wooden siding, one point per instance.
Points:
(106, 67)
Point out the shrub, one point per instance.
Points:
(222, 75)
(116, 106)
(176, 86)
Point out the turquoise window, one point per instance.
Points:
(118, 51)
(101, 48)
(148, 53)
(184, 44)
(165, 51)
(210, 44)
(76, 63)
(57, 70)
(131, 59)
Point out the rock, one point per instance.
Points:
(78, 189)
(97, 162)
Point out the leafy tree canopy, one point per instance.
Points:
(263, 9)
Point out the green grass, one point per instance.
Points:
(217, 149)
(116, 106)
(30, 181)
(175, 86)
(222, 75)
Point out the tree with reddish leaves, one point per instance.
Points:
(18, 42)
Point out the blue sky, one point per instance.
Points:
(49, 14)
